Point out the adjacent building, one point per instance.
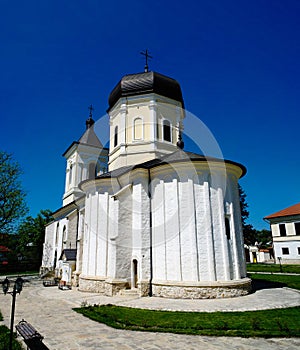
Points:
(285, 227)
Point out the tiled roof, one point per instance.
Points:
(293, 210)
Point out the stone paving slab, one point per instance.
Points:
(49, 310)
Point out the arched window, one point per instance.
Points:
(116, 136)
(70, 174)
(138, 129)
(64, 234)
(56, 235)
(98, 169)
(158, 131)
(227, 228)
(167, 130)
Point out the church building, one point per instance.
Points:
(145, 215)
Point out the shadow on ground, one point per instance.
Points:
(35, 344)
(264, 284)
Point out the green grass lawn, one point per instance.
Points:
(265, 323)
(273, 268)
(275, 281)
(4, 340)
(271, 323)
(4, 274)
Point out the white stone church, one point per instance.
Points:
(144, 214)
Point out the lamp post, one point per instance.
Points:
(279, 259)
(17, 289)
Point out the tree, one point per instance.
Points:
(12, 196)
(31, 236)
(244, 205)
(251, 235)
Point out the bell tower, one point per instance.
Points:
(86, 159)
(146, 113)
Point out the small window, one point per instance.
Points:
(282, 230)
(298, 250)
(297, 228)
(116, 137)
(285, 251)
(167, 130)
(227, 228)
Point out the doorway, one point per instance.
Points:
(134, 274)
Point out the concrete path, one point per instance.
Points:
(49, 310)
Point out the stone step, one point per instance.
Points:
(129, 292)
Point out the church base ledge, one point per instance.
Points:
(101, 285)
(201, 290)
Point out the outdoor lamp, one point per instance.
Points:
(5, 285)
(19, 285)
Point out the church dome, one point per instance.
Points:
(144, 83)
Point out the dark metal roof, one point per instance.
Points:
(70, 254)
(175, 157)
(182, 156)
(90, 138)
(144, 83)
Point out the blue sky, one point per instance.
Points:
(237, 63)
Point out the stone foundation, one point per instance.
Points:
(167, 289)
(75, 279)
(144, 287)
(101, 285)
(201, 290)
(113, 287)
(92, 284)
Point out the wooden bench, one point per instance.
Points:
(27, 331)
(32, 338)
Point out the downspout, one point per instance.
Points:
(150, 293)
(77, 227)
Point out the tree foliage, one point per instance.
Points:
(31, 235)
(251, 235)
(12, 196)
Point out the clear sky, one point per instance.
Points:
(237, 63)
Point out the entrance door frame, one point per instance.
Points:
(134, 273)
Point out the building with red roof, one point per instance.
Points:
(285, 227)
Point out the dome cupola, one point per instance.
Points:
(146, 112)
(145, 83)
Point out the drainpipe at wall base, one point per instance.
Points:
(150, 293)
(77, 227)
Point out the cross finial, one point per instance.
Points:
(91, 110)
(90, 121)
(147, 56)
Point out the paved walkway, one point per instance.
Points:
(50, 311)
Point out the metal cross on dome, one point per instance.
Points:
(147, 56)
(91, 109)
